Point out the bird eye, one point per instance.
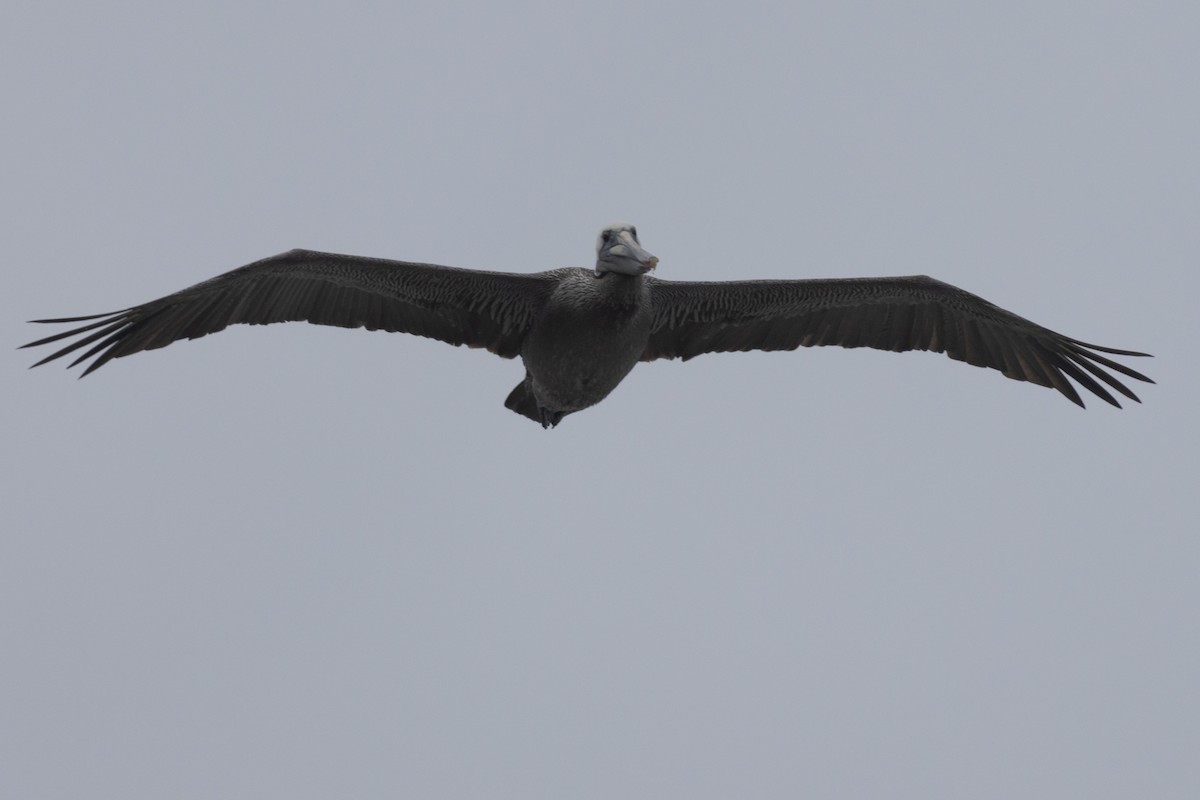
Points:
(605, 236)
(633, 230)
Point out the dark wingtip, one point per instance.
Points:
(59, 320)
(39, 363)
(1112, 350)
(34, 344)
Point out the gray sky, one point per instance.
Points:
(309, 562)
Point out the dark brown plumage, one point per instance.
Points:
(897, 314)
(580, 332)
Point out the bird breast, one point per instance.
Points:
(588, 337)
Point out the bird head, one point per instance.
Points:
(618, 250)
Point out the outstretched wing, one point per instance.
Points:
(897, 314)
(459, 306)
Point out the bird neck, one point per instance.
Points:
(616, 289)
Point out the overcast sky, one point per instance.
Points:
(311, 562)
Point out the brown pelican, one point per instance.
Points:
(579, 332)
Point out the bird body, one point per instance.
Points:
(580, 332)
(587, 338)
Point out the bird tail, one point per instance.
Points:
(521, 400)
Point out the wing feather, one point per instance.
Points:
(492, 310)
(895, 314)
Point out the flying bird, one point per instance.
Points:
(579, 332)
